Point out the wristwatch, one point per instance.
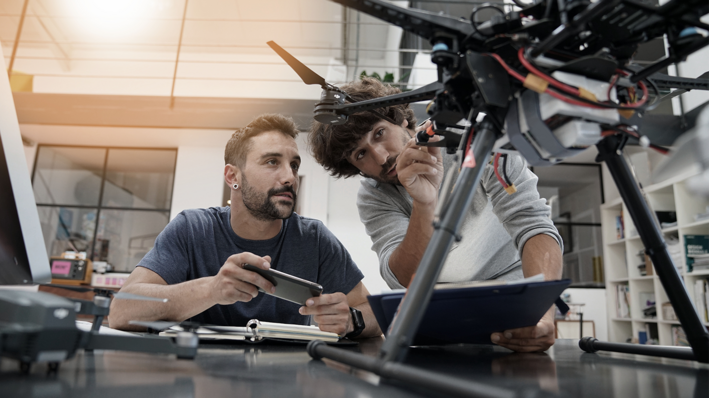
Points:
(357, 323)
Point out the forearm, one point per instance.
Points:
(404, 260)
(542, 254)
(185, 300)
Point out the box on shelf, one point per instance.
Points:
(668, 312)
(647, 305)
(667, 219)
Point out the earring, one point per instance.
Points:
(235, 186)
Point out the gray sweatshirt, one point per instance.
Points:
(494, 232)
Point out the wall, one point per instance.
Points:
(595, 308)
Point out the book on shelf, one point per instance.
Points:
(678, 336)
(256, 330)
(701, 288)
(623, 301)
(619, 226)
(695, 246)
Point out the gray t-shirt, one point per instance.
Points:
(494, 231)
(198, 242)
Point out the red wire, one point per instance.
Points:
(497, 172)
(550, 92)
(551, 80)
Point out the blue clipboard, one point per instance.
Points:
(471, 314)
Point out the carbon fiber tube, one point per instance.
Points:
(409, 374)
(590, 344)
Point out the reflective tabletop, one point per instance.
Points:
(269, 370)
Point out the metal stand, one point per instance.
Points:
(414, 304)
(610, 151)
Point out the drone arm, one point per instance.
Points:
(184, 347)
(424, 24)
(426, 92)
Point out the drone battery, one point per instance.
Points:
(71, 271)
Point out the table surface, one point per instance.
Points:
(245, 370)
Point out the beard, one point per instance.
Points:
(263, 206)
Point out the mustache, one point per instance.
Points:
(387, 166)
(285, 188)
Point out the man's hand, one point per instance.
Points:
(331, 312)
(420, 170)
(233, 283)
(529, 339)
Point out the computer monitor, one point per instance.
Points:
(23, 255)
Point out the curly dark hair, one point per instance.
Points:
(239, 144)
(330, 145)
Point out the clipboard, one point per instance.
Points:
(469, 315)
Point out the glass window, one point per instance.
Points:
(68, 176)
(87, 200)
(67, 228)
(124, 237)
(139, 178)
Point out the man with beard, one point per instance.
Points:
(197, 261)
(503, 236)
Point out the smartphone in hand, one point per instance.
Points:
(288, 287)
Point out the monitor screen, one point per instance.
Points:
(23, 255)
(14, 265)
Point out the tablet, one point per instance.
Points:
(469, 315)
(288, 287)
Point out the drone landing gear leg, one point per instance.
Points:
(413, 306)
(610, 151)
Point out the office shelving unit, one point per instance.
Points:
(621, 257)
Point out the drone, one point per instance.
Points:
(547, 80)
(41, 327)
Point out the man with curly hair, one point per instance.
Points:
(198, 260)
(504, 236)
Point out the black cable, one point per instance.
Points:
(474, 23)
(504, 170)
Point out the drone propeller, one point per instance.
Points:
(117, 295)
(309, 77)
(189, 326)
(305, 73)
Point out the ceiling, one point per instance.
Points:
(146, 47)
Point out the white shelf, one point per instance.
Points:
(697, 273)
(620, 260)
(621, 280)
(699, 223)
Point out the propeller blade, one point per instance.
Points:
(131, 296)
(68, 287)
(305, 73)
(228, 329)
(156, 325)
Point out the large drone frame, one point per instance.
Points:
(459, 46)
